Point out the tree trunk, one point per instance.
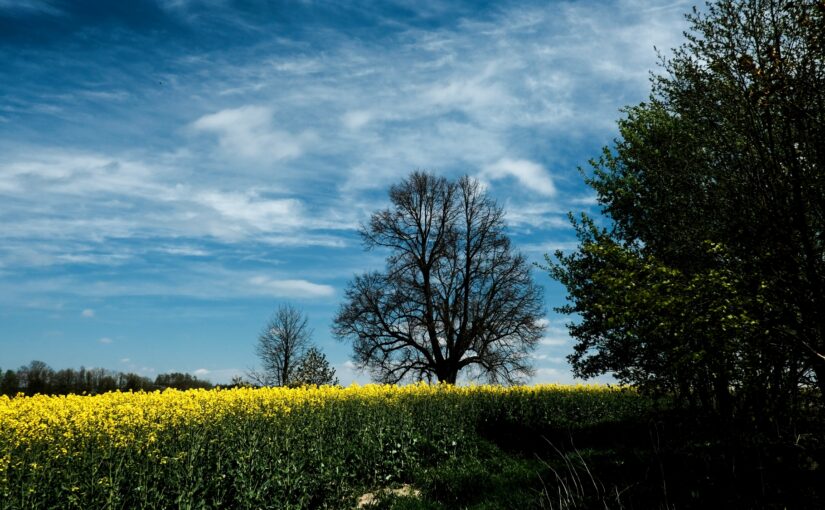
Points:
(723, 397)
(447, 373)
(819, 370)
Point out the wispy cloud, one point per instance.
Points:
(290, 288)
(250, 132)
(554, 341)
(530, 175)
(21, 7)
(234, 160)
(250, 209)
(209, 281)
(70, 197)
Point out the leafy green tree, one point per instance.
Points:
(180, 381)
(134, 382)
(10, 384)
(719, 182)
(36, 377)
(313, 368)
(63, 381)
(658, 327)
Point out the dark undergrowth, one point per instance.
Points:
(666, 460)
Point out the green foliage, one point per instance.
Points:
(657, 327)
(490, 479)
(10, 384)
(711, 275)
(313, 368)
(180, 381)
(39, 378)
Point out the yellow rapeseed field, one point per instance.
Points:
(254, 445)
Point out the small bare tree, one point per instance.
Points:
(454, 295)
(281, 346)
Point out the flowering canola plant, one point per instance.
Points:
(135, 449)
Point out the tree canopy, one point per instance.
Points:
(39, 378)
(313, 368)
(709, 277)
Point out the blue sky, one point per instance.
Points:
(172, 170)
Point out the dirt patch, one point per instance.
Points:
(372, 498)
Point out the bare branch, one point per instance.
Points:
(453, 293)
(281, 345)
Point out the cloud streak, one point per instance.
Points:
(249, 132)
(290, 288)
(530, 175)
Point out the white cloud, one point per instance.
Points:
(221, 375)
(586, 200)
(356, 119)
(125, 360)
(349, 374)
(524, 217)
(63, 201)
(185, 251)
(549, 247)
(209, 280)
(249, 132)
(472, 90)
(555, 340)
(39, 6)
(529, 174)
(290, 288)
(249, 209)
(88, 313)
(461, 105)
(545, 373)
(323, 129)
(556, 360)
(105, 340)
(80, 173)
(99, 95)
(201, 372)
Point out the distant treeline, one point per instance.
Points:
(38, 377)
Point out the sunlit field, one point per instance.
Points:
(264, 448)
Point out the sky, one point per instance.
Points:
(173, 170)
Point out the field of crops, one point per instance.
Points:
(261, 448)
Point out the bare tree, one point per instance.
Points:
(453, 295)
(281, 346)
